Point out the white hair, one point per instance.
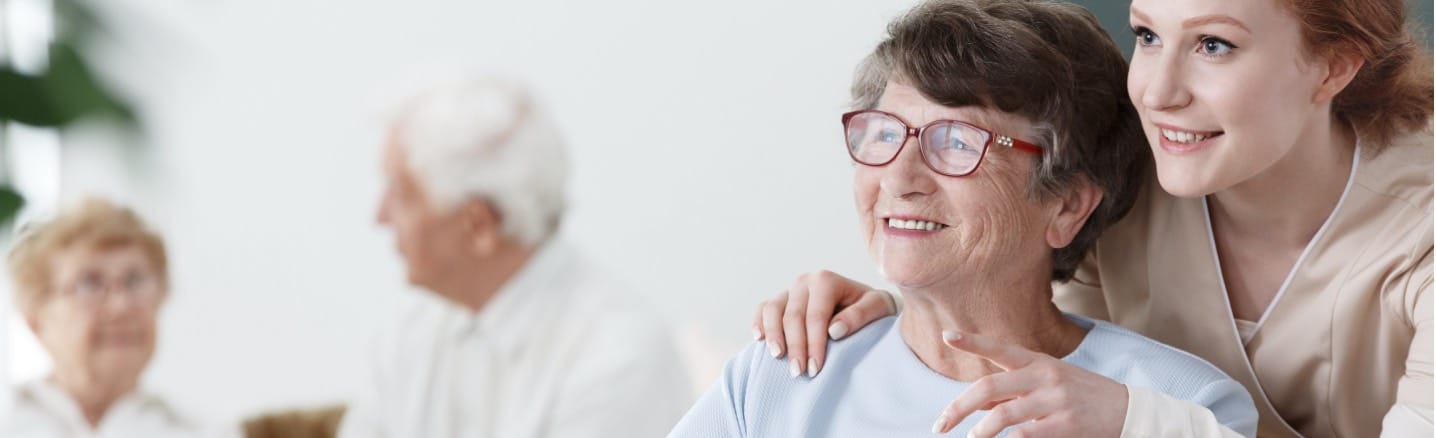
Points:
(489, 139)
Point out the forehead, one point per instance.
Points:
(396, 160)
(1254, 14)
(917, 110)
(86, 256)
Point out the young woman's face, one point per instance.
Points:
(1224, 88)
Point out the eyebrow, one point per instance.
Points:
(1198, 21)
(1140, 15)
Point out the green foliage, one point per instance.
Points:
(66, 91)
(10, 203)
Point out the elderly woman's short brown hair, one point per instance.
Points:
(1046, 61)
(91, 224)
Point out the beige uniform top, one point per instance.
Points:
(1346, 343)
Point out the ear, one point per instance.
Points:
(484, 226)
(1341, 68)
(1076, 206)
(33, 322)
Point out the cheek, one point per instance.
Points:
(1136, 81)
(67, 332)
(1259, 110)
(867, 188)
(995, 213)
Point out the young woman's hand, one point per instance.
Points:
(818, 306)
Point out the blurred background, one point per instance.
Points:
(707, 163)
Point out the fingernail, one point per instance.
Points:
(773, 349)
(757, 334)
(951, 336)
(793, 368)
(812, 368)
(939, 425)
(837, 330)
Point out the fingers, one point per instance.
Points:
(1040, 428)
(992, 391)
(819, 315)
(1005, 355)
(773, 323)
(799, 321)
(795, 332)
(868, 306)
(758, 321)
(1008, 414)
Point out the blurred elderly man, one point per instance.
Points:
(90, 283)
(529, 339)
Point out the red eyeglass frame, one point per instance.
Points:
(992, 137)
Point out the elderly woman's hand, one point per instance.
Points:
(1060, 399)
(817, 306)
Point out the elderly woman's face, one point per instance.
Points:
(985, 221)
(100, 318)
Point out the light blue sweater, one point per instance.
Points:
(874, 386)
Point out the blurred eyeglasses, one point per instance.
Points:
(91, 289)
(949, 147)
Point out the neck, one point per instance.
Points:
(1263, 208)
(1018, 311)
(93, 396)
(473, 288)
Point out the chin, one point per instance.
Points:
(904, 275)
(1184, 180)
(417, 278)
(126, 364)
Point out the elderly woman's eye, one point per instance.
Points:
(888, 137)
(957, 144)
(89, 285)
(136, 281)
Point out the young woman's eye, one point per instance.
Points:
(1145, 37)
(1213, 46)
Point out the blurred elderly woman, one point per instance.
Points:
(993, 143)
(89, 284)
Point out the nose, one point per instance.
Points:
(381, 213)
(1164, 82)
(118, 301)
(907, 176)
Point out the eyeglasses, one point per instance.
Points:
(90, 290)
(949, 147)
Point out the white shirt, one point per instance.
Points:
(558, 352)
(39, 408)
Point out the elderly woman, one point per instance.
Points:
(993, 144)
(89, 284)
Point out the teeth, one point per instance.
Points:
(1182, 136)
(914, 225)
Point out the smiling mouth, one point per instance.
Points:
(1187, 137)
(914, 225)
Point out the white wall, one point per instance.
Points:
(708, 166)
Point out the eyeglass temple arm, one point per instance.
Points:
(1003, 140)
